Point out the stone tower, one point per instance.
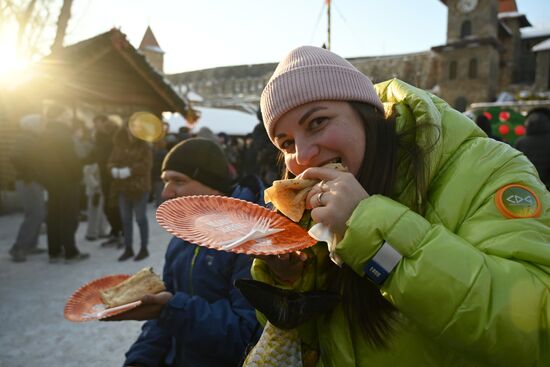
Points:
(152, 51)
(470, 59)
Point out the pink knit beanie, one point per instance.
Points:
(310, 74)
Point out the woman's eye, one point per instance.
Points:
(316, 122)
(285, 145)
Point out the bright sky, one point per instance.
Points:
(208, 33)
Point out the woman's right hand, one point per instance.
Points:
(286, 267)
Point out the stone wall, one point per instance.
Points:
(420, 69)
(542, 82)
(464, 88)
(508, 68)
(228, 86)
(244, 83)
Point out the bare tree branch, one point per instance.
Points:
(62, 22)
(23, 23)
(40, 22)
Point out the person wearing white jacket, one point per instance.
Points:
(97, 222)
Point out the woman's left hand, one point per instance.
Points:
(334, 199)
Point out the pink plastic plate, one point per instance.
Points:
(86, 305)
(212, 221)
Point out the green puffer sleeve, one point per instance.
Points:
(494, 308)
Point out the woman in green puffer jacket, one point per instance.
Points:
(443, 235)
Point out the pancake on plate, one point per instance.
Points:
(132, 289)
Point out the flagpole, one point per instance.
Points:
(328, 26)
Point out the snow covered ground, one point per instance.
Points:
(33, 295)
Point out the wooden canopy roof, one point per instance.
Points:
(104, 70)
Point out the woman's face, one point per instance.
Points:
(321, 132)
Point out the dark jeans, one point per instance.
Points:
(31, 195)
(62, 219)
(110, 208)
(129, 207)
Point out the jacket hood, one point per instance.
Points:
(417, 107)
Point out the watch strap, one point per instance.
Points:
(379, 267)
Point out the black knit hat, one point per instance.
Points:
(202, 160)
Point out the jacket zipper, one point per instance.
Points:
(193, 260)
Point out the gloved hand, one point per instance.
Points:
(115, 172)
(125, 172)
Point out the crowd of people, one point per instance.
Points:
(440, 251)
(105, 176)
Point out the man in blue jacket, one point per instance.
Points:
(202, 319)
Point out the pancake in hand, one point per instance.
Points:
(289, 196)
(132, 289)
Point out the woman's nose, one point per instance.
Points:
(306, 153)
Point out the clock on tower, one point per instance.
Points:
(466, 6)
(470, 59)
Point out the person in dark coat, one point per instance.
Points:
(201, 319)
(103, 147)
(130, 166)
(536, 144)
(261, 157)
(25, 159)
(62, 174)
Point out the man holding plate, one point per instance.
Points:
(202, 319)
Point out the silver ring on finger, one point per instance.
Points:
(323, 186)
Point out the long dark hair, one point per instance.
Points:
(362, 300)
(363, 303)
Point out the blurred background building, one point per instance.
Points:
(492, 63)
(487, 52)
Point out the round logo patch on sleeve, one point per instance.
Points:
(517, 201)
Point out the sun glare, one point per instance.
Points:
(11, 66)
